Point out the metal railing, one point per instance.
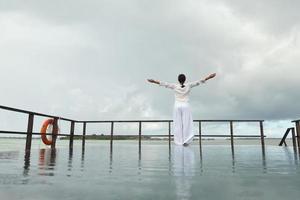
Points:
(112, 123)
(297, 127)
(289, 130)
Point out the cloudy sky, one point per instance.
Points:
(89, 59)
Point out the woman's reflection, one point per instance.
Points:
(183, 169)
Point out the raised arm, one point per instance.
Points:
(161, 83)
(202, 81)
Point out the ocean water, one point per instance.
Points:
(156, 172)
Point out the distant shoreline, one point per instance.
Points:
(162, 140)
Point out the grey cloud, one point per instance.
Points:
(275, 16)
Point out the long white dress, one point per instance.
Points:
(182, 115)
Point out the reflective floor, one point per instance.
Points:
(156, 172)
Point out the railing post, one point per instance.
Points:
(262, 136)
(294, 140)
(297, 124)
(169, 134)
(83, 134)
(140, 135)
(29, 132)
(200, 134)
(111, 134)
(231, 136)
(285, 136)
(200, 142)
(54, 133)
(72, 134)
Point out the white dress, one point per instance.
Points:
(182, 115)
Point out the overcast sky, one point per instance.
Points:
(89, 59)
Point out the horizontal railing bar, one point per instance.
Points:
(230, 135)
(152, 121)
(124, 121)
(296, 120)
(35, 113)
(194, 135)
(34, 133)
(228, 120)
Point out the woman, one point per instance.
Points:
(182, 116)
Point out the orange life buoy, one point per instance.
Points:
(46, 123)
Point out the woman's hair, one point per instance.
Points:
(181, 79)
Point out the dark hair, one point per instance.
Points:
(181, 79)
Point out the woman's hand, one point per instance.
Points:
(210, 76)
(153, 81)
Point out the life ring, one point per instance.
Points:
(46, 123)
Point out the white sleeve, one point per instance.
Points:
(167, 85)
(196, 83)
